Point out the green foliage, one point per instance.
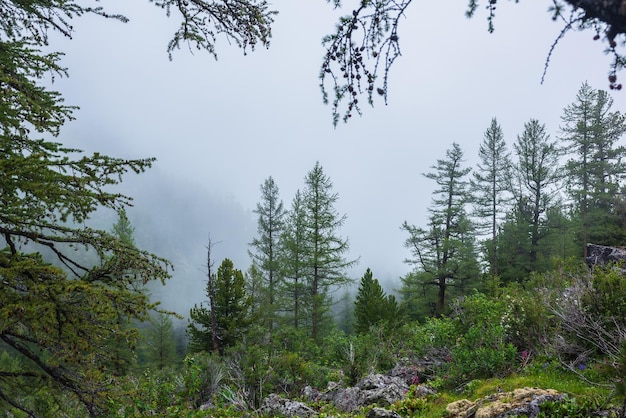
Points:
(605, 299)
(251, 368)
(57, 319)
(482, 348)
(481, 352)
(312, 256)
(474, 342)
(325, 260)
(590, 315)
(592, 131)
(372, 306)
(443, 253)
(528, 319)
(124, 354)
(265, 250)
(345, 313)
(174, 392)
(231, 304)
(123, 229)
(148, 394)
(434, 338)
(490, 185)
(24, 104)
(571, 407)
(246, 24)
(157, 348)
(294, 372)
(536, 177)
(56, 324)
(294, 297)
(359, 354)
(413, 404)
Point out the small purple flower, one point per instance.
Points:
(582, 366)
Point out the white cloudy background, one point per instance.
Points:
(219, 128)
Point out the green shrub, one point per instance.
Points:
(434, 337)
(481, 352)
(412, 404)
(605, 299)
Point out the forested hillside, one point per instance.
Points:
(514, 279)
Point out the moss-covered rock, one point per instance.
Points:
(524, 401)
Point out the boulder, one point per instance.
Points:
(520, 402)
(274, 405)
(598, 255)
(407, 371)
(379, 389)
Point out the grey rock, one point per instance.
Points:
(381, 413)
(379, 389)
(274, 405)
(598, 255)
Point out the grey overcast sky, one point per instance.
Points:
(220, 128)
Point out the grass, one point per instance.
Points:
(542, 376)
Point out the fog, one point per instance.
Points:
(219, 128)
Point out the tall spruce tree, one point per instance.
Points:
(596, 166)
(227, 318)
(325, 261)
(443, 253)
(265, 248)
(490, 186)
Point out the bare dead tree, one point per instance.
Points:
(211, 291)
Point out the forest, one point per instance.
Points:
(506, 295)
(500, 285)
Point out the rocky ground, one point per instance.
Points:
(382, 391)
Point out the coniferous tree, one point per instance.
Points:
(559, 241)
(122, 350)
(538, 174)
(345, 314)
(265, 249)
(294, 268)
(158, 345)
(443, 253)
(57, 321)
(596, 166)
(536, 180)
(514, 243)
(229, 308)
(325, 260)
(372, 306)
(123, 229)
(490, 188)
